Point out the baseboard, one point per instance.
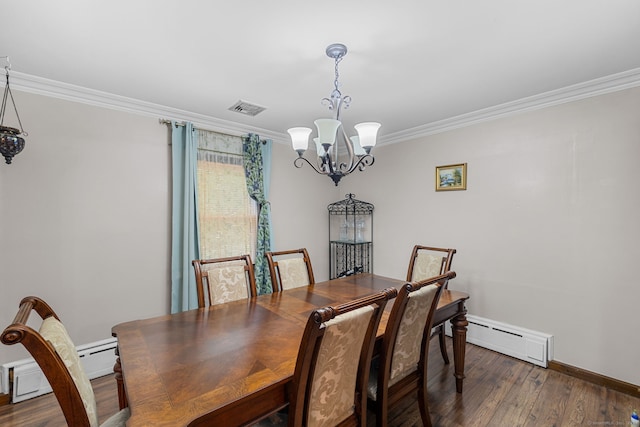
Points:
(524, 344)
(23, 379)
(5, 399)
(592, 377)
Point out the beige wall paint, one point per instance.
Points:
(84, 217)
(545, 231)
(299, 199)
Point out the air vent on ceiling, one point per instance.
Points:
(247, 108)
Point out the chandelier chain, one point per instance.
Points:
(336, 83)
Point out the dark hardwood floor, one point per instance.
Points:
(498, 391)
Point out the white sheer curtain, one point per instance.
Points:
(227, 215)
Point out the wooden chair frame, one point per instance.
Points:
(388, 397)
(445, 267)
(274, 271)
(202, 272)
(52, 365)
(299, 390)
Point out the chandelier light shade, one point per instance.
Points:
(332, 142)
(11, 143)
(327, 130)
(367, 133)
(300, 139)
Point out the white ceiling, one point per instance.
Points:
(410, 63)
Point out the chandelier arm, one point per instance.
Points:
(298, 164)
(350, 153)
(363, 162)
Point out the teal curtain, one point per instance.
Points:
(184, 223)
(254, 164)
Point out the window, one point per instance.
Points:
(227, 215)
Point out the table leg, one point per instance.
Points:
(122, 396)
(459, 331)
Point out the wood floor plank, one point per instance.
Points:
(498, 387)
(551, 403)
(462, 409)
(583, 405)
(619, 407)
(516, 407)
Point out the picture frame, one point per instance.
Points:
(451, 177)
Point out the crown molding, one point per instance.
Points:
(56, 89)
(69, 92)
(600, 86)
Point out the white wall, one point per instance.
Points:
(547, 230)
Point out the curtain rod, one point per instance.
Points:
(183, 123)
(178, 123)
(168, 122)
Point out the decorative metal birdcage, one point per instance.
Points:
(350, 237)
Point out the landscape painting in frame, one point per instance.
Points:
(451, 177)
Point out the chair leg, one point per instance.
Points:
(443, 344)
(381, 413)
(423, 404)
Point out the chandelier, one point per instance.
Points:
(11, 143)
(357, 149)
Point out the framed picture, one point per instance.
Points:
(451, 177)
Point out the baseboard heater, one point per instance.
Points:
(24, 380)
(524, 344)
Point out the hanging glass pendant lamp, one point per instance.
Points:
(11, 141)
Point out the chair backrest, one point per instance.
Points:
(427, 262)
(290, 269)
(406, 339)
(53, 350)
(329, 383)
(224, 279)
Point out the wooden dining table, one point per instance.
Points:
(230, 363)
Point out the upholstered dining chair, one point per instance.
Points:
(401, 366)
(290, 269)
(221, 280)
(427, 262)
(329, 383)
(55, 353)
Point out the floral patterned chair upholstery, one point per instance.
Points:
(55, 353)
(401, 367)
(427, 262)
(221, 280)
(290, 269)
